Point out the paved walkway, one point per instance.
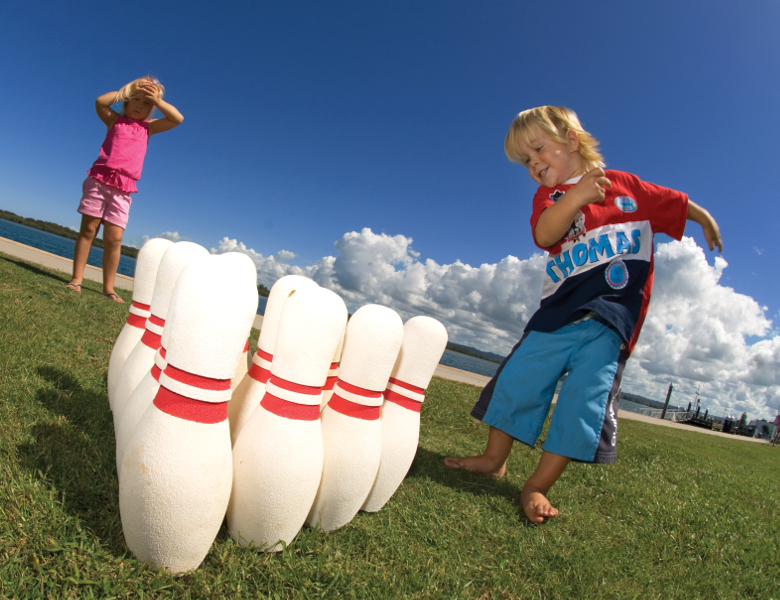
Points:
(59, 263)
(453, 374)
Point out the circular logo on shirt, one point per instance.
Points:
(625, 203)
(617, 274)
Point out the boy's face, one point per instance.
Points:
(550, 163)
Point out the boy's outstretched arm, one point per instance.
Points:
(708, 225)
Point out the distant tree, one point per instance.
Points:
(56, 229)
(262, 290)
(765, 429)
(742, 421)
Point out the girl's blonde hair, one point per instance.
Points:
(129, 90)
(552, 122)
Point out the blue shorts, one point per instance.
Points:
(584, 423)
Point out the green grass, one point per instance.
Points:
(681, 515)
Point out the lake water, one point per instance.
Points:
(468, 363)
(61, 246)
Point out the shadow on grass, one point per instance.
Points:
(64, 277)
(75, 454)
(430, 465)
(58, 276)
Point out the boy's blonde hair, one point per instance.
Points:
(130, 89)
(552, 122)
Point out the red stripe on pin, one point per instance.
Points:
(258, 373)
(309, 390)
(359, 390)
(136, 321)
(265, 355)
(154, 320)
(156, 373)
(407, 386)
(246, 346)
(151, 340)
(143, 307)
(330, 382)
(402, 401)
(188, 409)
(162, 352)
(198, 381)
(352, 409)
(290, 410)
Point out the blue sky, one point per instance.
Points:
(308, 122)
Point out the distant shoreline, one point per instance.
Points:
(66, 232)
(473, 352)
(60, 230)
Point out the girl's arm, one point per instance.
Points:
(172, 118)
(104, 110)
(708, 225)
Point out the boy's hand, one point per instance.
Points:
(708, 225)
(591, 188)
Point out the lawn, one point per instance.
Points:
(681, 515)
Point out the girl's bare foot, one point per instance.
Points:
(476, 464)
(74, 287)
(114, 296)
(536, 505)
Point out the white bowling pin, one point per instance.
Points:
(425, 340)
(351, 430)
(277, 458)
(333, 374)
(250, 390)
(242, 369)
(177, 468)
(141, 398)
(146, 265)
(141, 358)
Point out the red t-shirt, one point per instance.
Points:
(604, 263)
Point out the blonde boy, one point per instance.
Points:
(597, 227)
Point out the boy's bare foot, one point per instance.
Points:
(535, 504)
(476, 464)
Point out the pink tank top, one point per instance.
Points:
(122, 154)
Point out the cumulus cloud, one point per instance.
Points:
(486, 306)
(166, 235)
(695, 334)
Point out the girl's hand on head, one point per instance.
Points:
(592, 187)
(151, 91)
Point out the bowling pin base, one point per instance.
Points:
(174, 490)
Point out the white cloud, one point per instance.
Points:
(166, 235)
(694, 335)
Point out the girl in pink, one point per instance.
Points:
(111, 180)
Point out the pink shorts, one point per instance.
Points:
(104, 201)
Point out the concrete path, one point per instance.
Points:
(59, 263)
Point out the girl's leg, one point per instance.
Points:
(534, 494)
(89, 228)
(112, 246)
(492, 461)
